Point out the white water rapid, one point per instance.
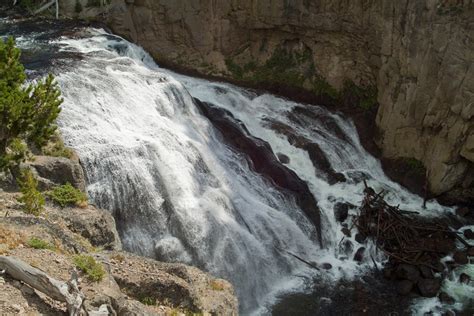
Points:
(180, 194)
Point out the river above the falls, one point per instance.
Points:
(242, 184)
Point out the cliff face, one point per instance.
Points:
(414, 56)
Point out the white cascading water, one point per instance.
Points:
(180, 194)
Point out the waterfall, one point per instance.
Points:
(181, 193)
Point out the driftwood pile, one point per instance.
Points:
(414, 245)
(403, 236)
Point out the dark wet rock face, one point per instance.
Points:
(263, 160)
(341, 211)
(462, 211)
(370, 296)
(429, 287)
(316, 154)
(469, 234)
(359, 255)
(360, 238)
(445, 298)
(460, 257)
(407, 272)
(404, 287)
(464, 278)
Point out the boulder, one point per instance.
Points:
(429, 287)
(359, 255)
(445, 298)
(346, 247)
(51, 171)
(460, 257)
(426, 272)
(407, 272)
(462, 211)
(470, 252)
(404, 287)
(388, 273)
(464, 278)
(326, 266)
(96, 225)
(341, 211)
(284, 159)
(469, 234)
(360, 238)
(180, 285)
(346, 231)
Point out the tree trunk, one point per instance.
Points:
(67, 292)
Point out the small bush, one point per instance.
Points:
(32, 199)
(148, 300)
(93, 269)
(217, 285)
(415, 165)
(56, 148)
(37, 243)
(78, 7)
(67, 195)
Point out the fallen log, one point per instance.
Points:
(67, 292)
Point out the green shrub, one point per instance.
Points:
(93, 269)
(147, 300)
(78, 6)
(415, 165)
(37, 243)
(67, 195)
(32, 199)
(56, 148)
(366, 97)
(29, 111)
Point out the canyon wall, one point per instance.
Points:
(415, 57)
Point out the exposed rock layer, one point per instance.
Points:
(418, 54)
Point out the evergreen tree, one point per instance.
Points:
(27, 112)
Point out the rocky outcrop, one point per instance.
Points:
(132, 285)
(418, 55)
(53, 171)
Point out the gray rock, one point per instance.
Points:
(284, 159)
(96, 225)
(53, 171)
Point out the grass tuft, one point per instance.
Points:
(93, 269)
(38, 243)
(67, 195)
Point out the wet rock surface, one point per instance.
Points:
(263, 160)
(369, 296)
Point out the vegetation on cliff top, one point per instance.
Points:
(297, 70)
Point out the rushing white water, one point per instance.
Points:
(180, 194)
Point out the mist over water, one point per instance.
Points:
(180, 194)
